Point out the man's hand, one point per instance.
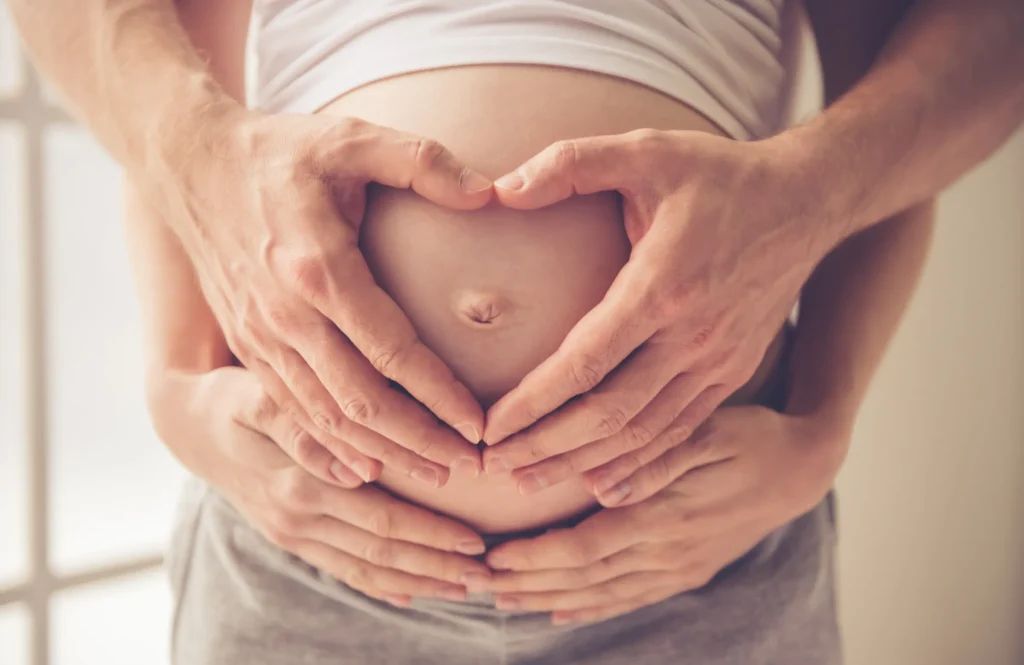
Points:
(747, 471)
(268, 209)
(720, 252)
(372, 541)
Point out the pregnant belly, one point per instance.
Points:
(493, 292)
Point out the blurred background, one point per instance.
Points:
(931, 500)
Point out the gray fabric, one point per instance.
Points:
(241, 601)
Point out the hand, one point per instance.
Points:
(719, 255)
(268, 209)
(375, 543)
(746, 472)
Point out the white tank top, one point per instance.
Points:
(724, 58)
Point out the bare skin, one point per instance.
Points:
(494, 291)
(724, 235)
(847, 315)
(944, 95)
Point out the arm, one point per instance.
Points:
(725, 234)
(182, 337)
(129, 70)
(748, 470)
(267, 209)
(946, 91)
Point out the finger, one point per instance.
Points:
(631, 560)
(617, 590)
(671, 455)
(569, 167)
(344, 291)
(339, 432)
(621, 396)
(398, 159)
(596, 538)
(365, 451)
(601, 340)
(382, 515)
(399, 555)
(345, 391)
(273, 413)
(364, 576)
(602, 412)
(283, 420)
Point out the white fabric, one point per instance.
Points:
(721, 57)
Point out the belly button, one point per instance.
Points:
(479, 309)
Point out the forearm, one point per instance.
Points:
(179, 330)
(944, 93)
(850, 310)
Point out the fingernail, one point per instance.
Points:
(615, 495)
(503, 603)
(427, 475)
(469, 432)
(362, 469)
(511, 181)
(454, 594)
(495, 465)
(475, 581)
(470, 547)
(401, 601)
(474, 182)
(466, 466)
(531, 483)
(344, 475)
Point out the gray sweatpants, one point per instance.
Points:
(241, 601)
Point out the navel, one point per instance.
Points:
(480, 308)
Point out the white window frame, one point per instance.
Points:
(29, 109)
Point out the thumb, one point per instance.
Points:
(566, 168)
(368, 152)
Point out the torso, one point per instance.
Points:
(493, 292)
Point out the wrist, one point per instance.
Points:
(189, 129)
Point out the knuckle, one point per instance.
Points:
(308, 275)
(659, 470)
(280, 317)
(703, 336)
(359, 409)
(564, 154)
(379, 552)
(352, 125)
(664, 303)
(609, 419)
(357, 576)
(280, 526)
(328, 421)
(264, 410)
(304, 446)
(647, 136)
(427, 153)
(636, 435)
(380, 523)
(294, 489)
(385, 359)
(585, 373)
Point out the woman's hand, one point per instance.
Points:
(219, 425)
(268, 209)
(747, 471)
(720, 251)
